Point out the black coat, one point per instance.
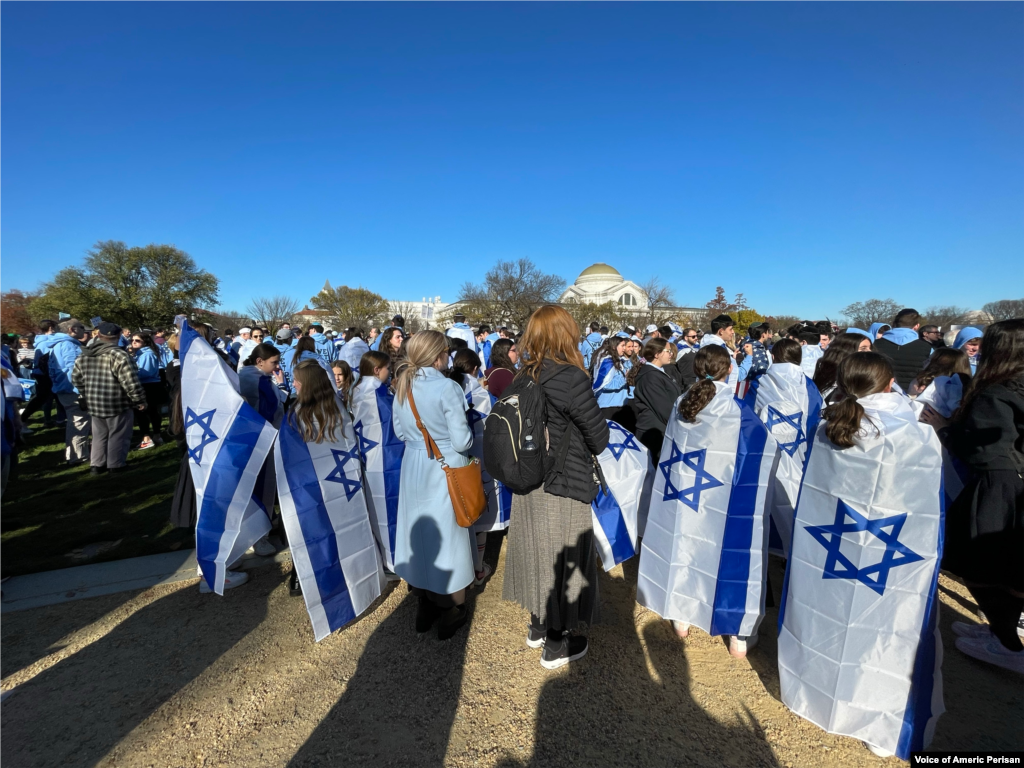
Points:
(907, 360)
(985, 525)
(655, 394)
(682, 371)
(570, 395)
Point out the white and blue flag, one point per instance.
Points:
(227, 443)
(859, 649)
(499, 498)
(381, 452)
(320, 486)
(704, 555)
(944, 395)
(624, 466)
(790, 406)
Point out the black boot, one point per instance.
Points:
(451, 620)
(426, 614)
(294, 585)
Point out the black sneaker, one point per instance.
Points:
(294, 585)
(426, 614)
(535, 637)
(569, 648)
(451, 621)
(97, 470)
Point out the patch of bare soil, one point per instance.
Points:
(167, 677)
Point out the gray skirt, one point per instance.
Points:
(551, 565)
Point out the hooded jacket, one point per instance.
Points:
(962, 337)
(464, 332)
(654, 397)
(352, 353)
(107, 380)
(589, 346)
(324, 347)
(43, 345)
(873, 330)
(62, 361)
(907, 352)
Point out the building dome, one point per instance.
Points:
(600, 270)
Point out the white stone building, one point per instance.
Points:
(601, 283)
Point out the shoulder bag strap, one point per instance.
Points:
(433, 451)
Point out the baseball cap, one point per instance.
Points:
(283, 334)
(651, 328)
(109, 329)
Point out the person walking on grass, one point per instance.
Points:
(108, 384)
(63, 355)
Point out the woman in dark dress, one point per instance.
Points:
(985, 525)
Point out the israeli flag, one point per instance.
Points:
(944, 395)
(499, 499)
(703, 558)
(324, 510)
(615, 510)
(859, 648)
(381, 453)
(790, 406)
(228, 443)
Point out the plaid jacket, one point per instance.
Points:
(107, 379)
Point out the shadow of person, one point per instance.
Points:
(399, 706)
(630, 703)
(74, 713)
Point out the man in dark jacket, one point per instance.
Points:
(932, 335)
(108, 382)
(907, 353)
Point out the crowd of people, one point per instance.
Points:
(665, 380)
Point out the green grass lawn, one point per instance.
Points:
(49, 510)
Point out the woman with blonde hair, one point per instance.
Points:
(551, 566)
(432, 551)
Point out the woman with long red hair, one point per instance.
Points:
(551, 567)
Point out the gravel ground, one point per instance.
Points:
(167, 677)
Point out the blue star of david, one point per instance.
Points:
(337, 475)
(702, 482)
(628, 443)
(838, 566)
(775, 417)
(365, 443)
(203, 422)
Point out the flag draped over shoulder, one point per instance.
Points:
(790, 406)
(499, 499)
(615, 510)
(703, 557)
(228, 443)
(381, 452)
(859, 650)
(324, 510)
(944, 395)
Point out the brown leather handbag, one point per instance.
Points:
(465, 484)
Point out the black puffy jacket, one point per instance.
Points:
(907, 360)
(655, 394)
(569, 393)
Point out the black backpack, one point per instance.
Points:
(515, 450)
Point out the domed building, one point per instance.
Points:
(600, 283)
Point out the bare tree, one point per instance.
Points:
(222, 319)
(413, 317)
(862, 314)
(1007, 309)
(660, 300)
(272, 311)
(511, 291)
(585, 313)
(944, 316)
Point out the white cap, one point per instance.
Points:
(246, 329)
(652, 328)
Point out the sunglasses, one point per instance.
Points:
(136, 341)
(257, 336)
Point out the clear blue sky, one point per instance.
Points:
(807, 155)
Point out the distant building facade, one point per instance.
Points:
(600, 283)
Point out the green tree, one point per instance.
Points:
(584, 313)
(140, 286)
(351, 307)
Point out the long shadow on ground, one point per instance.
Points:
(74, 713)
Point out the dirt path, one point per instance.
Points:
(167, 677)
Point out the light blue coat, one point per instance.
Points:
(62, 359)
(962, 337)
(149, 366)
(432, 551)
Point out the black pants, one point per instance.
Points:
(43, 400)
(149, 420)
(623, 415)
(1002, 609)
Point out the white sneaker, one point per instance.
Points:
(232, 579)
(966, 629)
(482, 576)
(264, 548)
(878, 751)
(990, 650)
(681, 627)
(738, 646)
